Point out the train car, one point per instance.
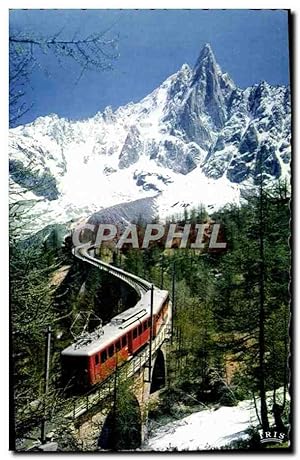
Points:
(161, 316)
(85, 364)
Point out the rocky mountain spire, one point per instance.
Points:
(197, 123)
(206, 63)
(209, 95)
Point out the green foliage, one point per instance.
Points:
(43, 184)
(122, 428)
(216, 342)
(214, 354)
(31, 307)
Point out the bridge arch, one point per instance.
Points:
(158, 380)
(122, 428)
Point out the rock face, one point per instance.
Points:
(197, 119)
(131, 149)
(209, 94)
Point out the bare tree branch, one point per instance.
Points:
(90, 53)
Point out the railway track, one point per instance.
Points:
(141, 286)
(87, 254)
(76, 406)
(93, 397)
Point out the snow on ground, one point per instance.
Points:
(195, 189)
(86, 189)
(205, 430)
(209, 428)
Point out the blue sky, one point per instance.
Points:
(250, 45)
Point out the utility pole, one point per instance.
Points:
(151, 332)
(46, 381)
(162, 272)
(173, 301)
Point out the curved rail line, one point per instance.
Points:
(140, 285)
(86, 253)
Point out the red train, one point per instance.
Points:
(87, 364)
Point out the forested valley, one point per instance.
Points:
(231, 327)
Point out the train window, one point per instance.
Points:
(96, 359)
(149, 322)
(134, 333)
(118, 345)
(111, 351)
(103, 356)
(140, 329)
(124, 341)
(145, 326)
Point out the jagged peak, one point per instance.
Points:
(49, 116)
(264, 85)
(207, 50)
(206, 63)
(206, 57)
(185, 68)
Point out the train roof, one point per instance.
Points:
(119, 325)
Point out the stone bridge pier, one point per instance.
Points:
(120, 421)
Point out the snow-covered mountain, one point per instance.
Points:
(197, 138)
